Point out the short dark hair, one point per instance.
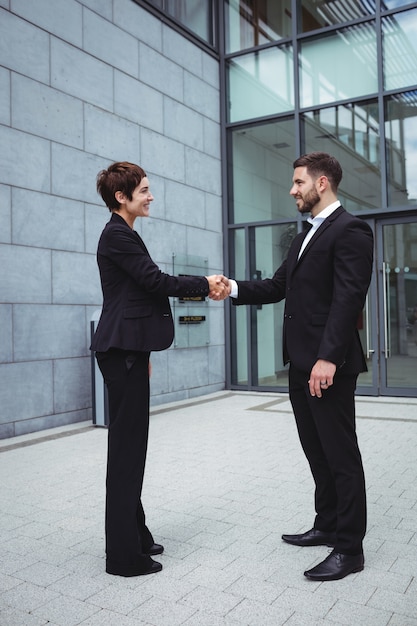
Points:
(321, 164)
(121, 176)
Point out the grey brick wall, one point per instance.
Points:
(84, 83)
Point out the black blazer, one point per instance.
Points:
(325, 292)
(136, 313)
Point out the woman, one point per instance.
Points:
(136, 319)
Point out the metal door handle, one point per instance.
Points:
(387, 334)
(369, 350)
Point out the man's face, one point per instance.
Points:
(304, 190)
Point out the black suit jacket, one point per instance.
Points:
(325, 292)
(136, 313)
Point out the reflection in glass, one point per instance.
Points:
(197, 15)
(261, 172)
(394, 4)
(261, 83)
(401, 147)
(339, 66)
(255, 22)
(350, 133)
(366, 333)
(270, 248)
(321, 13)
(400, 314)
(399, 43)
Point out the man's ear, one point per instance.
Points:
(323, 183)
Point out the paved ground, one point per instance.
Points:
(225, 478)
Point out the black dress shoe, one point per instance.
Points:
(312, 537)
(131, 570)
(155, 549)
(336, 566)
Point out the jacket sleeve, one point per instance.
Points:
(126, 249)
(352, 269)
(263, 291)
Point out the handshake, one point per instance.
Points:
(219, 287)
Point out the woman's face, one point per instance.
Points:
(138, 206)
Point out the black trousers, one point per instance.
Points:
(327, 431)
(126, 375)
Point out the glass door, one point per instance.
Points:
(397, 283)
(388, 324)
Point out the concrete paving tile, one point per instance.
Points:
(177, 532)
(211, 558)
(79, 586)
(64, 611)
(246, 567)
(406, 550)
(11, 563)
(349, 613)
(252, 613)
(393, 602)
(400, 620)
(250, 550)
(110, 618)
(11, 522)
(8, 582)
(27, 597)
(385, 579)
(157, 611)
(211, 601)
(86, 564)
(306, 601)
(255, 589)
(202, 618)
(118, 599)
(40, 573)
(178, 549)
(211, 541)
(211, 577)
(348, 589)
(14, 617)
(167, 588)
(405, 565)
(299, 619)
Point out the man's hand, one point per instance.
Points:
(219, 287)
(321, 377)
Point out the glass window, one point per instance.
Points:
(196, 15)
(262, 364)
(321, 13)
(401, 148)
(271, 246)
(394, 4)
(339, 66)
(261, 83)
(351, 133)
(261, 172)
(255, 22)
(400, 49)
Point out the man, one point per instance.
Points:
(324, 280)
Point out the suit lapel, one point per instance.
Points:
(320, 231)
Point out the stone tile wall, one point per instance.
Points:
(84, 83)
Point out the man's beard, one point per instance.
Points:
(310, 199)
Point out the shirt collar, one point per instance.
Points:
(316, 221)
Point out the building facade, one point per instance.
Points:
(340, 77)
(215, 99)
(84, 83)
